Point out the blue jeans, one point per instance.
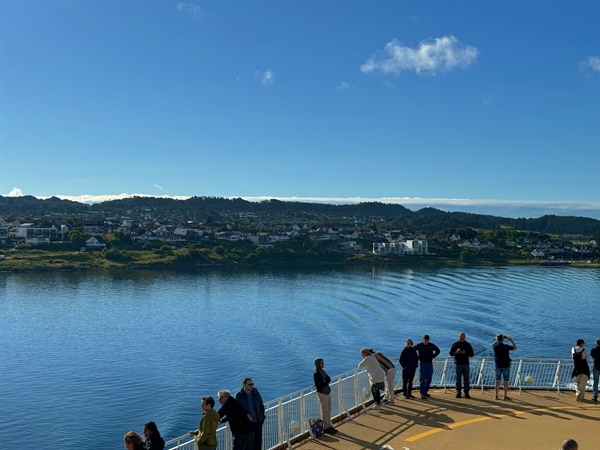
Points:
(462, 374)
(426, 374)
(596, 379)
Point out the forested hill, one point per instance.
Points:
(428, 220)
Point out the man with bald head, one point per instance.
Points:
(462, 351)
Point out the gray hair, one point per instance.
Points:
(223, 393)
(569, 444)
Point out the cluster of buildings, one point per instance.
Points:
(357, 237)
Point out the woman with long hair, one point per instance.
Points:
(154, 440)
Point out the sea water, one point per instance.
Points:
(86, 357)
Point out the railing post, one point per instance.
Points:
(557, 377)
(340, 396)
(304, 425)
(518, 377)
(480, 375)
(357, 398)
(228, 437)
(443, 380)
(281, 425)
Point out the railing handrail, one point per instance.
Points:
(526, 375)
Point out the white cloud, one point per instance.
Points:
(591, 64)
(158, 186)
(190, 8)
(343, 86)
(15, 192)
(430, 57)
(268, 77)
(487, 100)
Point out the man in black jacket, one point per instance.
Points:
(231, 411)
(462, 351)
(252, 402)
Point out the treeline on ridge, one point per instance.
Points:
(428, 220)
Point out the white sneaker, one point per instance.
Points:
(376, 406)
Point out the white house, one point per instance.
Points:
(94, 244)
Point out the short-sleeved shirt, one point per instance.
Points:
(502, 354)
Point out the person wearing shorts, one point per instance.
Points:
(502, 360)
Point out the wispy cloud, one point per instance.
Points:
(591, 64)
(158, 186)
(15, 192)
(487, 100)
(501, 208)
(190, 8)
(343, 86)
(268, 78)
(430, 57)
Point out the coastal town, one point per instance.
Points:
(149, 236)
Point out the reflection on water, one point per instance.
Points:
(88, 356)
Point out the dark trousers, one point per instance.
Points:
(462, 378)
(408, 376)
(426, 374)
(376, 389)
(243, 441)
(257, 439)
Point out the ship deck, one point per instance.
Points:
(534, 419)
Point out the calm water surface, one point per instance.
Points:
(86, 357)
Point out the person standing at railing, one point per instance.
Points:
(376, 375)
(502, 360)
(322, 381)
(390, 376)
(581, 369)
(241, 428)
(251, 401)
(409, 360)
(206, 434)
(595, 353)
(427, 352)
(462, 351)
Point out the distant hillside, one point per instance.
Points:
(428, 220)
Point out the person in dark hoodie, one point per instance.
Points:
(231, 411)
(252, 402)
(322, 381)
(409, 362)
(427, 351)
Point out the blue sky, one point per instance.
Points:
(491, 106)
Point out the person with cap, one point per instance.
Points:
(462, 351)
(581, 369)
(502, 360)
(409, 360)
(595, 354)
(427, 352)
(322, 381)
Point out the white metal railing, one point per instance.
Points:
(288, 416)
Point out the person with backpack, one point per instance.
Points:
(581, 369)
